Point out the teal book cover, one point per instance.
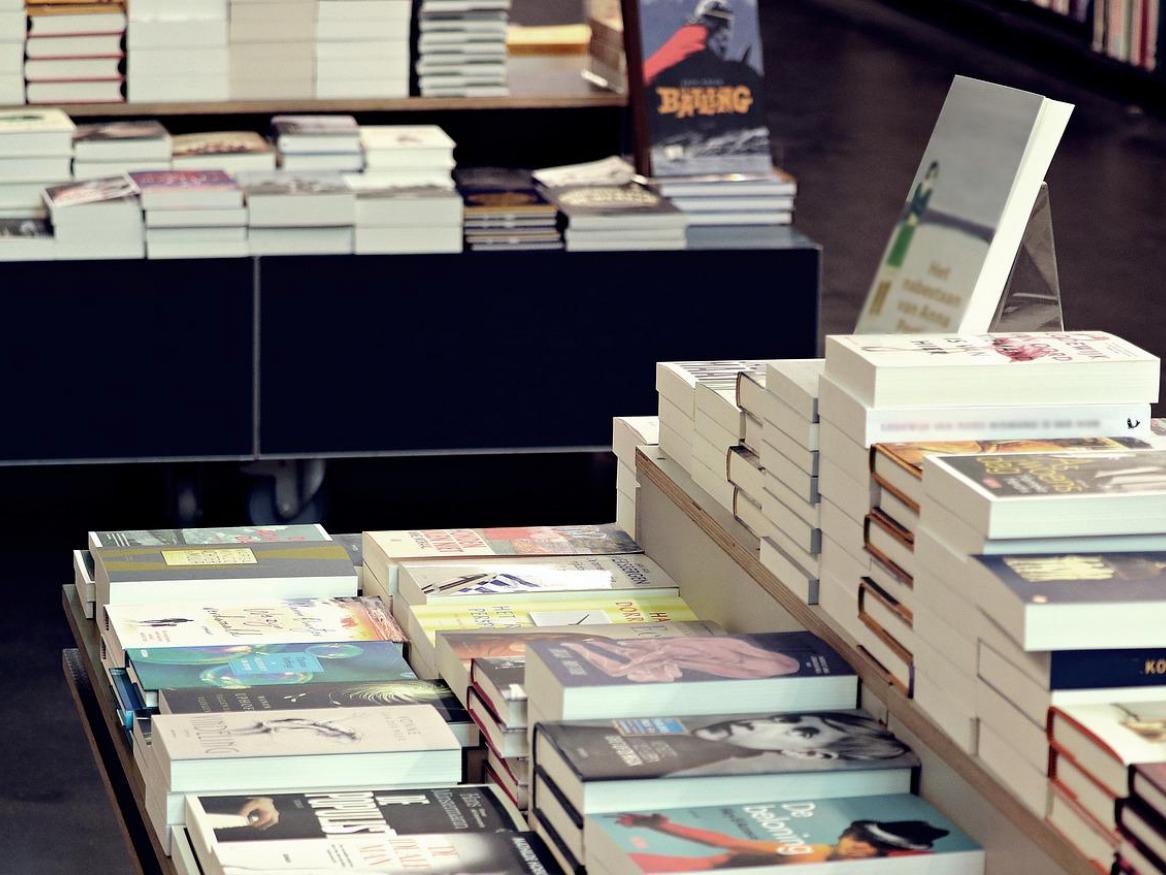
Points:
(241, 666)
(785, 834)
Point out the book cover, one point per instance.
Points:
(1107, 669)
(300, 697)
(662, 609)
(374, 188)
(354, 814)
(119, 131)
(696, 81)
(282, 182)
(91, 191)
(613, 202)
(25, 229)
(727, 744)
(196, 537)
(219, 562)
(497, 190)
(512, 643)
(183, 180)
(1051, 475)
(315, 125)
(741, 837)
(910, 456)
(504, 675)
(395, 137)
(605, 662)
(293, 620)
(1052, 579)
(425, 854)
(30, 120)
(240, 666)
(1128, 732)
(575, 573)
(308, 732)
(507, 541)
(219, 143)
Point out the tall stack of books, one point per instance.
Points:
(272, 49)
(36, 151)
(75, 52)
(362, 48)
(192, 214)
(505, 210)
(298, 213)
(627, 433)
(462, 48)
(315, 143)
(408, 154)
(395, 219)
(98, 218)
(782, 405)
(722, 464)
(732, 211)
(177, 51)
(232, 151)
(111, 148)
(13, 32)
(618, 217)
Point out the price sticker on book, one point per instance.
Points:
(229, 556)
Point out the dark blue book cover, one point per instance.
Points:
(1051, 579)
(608, 662)
(1107, 669)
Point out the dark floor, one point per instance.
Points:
(854, 88)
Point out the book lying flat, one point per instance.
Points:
(1105, 740)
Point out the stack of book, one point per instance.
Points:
(119, 147)
(627, 433)
(192, 214)
(725, 460)
(13, 32)
(75, 52)
(618, 217)
(392, 219)
(315, 143)
(462, 48)
(1142, 821)
(272, 49)
(782, 406)
(362, 48)
(733, 211)
(505, 210)
(98, 218)
(36, 151)
(177, 51)
(408, 154)
(231, 151)
(298, 213)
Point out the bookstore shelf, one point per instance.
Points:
(671, 482)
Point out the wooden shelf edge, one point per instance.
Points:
(670, 479)
(88, 646)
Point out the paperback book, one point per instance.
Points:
(195, 537)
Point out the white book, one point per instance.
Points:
(289, 200)
(629, 432)
(74, 46)
(1030, 785)
(387, 745)
(425, 239)
(159, 33)
(341, 163)
(165, 249)
(208, 218)
(390, 87)
(144, 63)
(40, 25)
(97, 91)
(719, 402)
(802, 582)
(953, 247)
(979, 370)
(774, 440)
(177, 88)
(18, 170)
(301, 241)
(795, 383)
(1106, 739)
(677, 381)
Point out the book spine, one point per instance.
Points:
(1107, 669)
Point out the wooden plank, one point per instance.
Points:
(673, 483)
(149, 854)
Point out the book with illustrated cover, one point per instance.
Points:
(281, 182)
(957, 235)
(187, 146)
(293, 621)
(696, 81)
(1075, 601)
(120, 131)
(1073, 367)
(240, 666)
(197, 537)
(498, 192)
(347, 813)
(603, 206)
(315, 125)
(91, 191)
(903, 829)
(149, 181)
(406, 138)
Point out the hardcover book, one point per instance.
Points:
(953, 246)
(240, 666)
(794, 836)
(696, 81)
(1105, 740)
(196, 537)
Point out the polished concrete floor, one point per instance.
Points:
(853, 91)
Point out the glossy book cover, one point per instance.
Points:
(604, 662)
(512, 643)
(509, 541)
(727, 744)
(1054, 475)
(239, 666)
(222, 562)
(1051, 579)
(198, 537)
(765, 835)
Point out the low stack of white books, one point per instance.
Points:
(394, 219)
(462, 48)
(272, 49)
(627, 433)
(111, 148)
(99, 218)
(408, 154)
(36, 151)
(314, 143)
(192, 214)
(362, 48)
(626, 216)
(782, 405)
(733, 210)
(177, 51)
(13, 32)
(299, 213)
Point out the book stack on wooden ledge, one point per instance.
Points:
(177, 51)
(627, 433)
(13, 32)
(462, 48)
(110, 148)
(75, 52)
(313, 143)
(362, 48)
